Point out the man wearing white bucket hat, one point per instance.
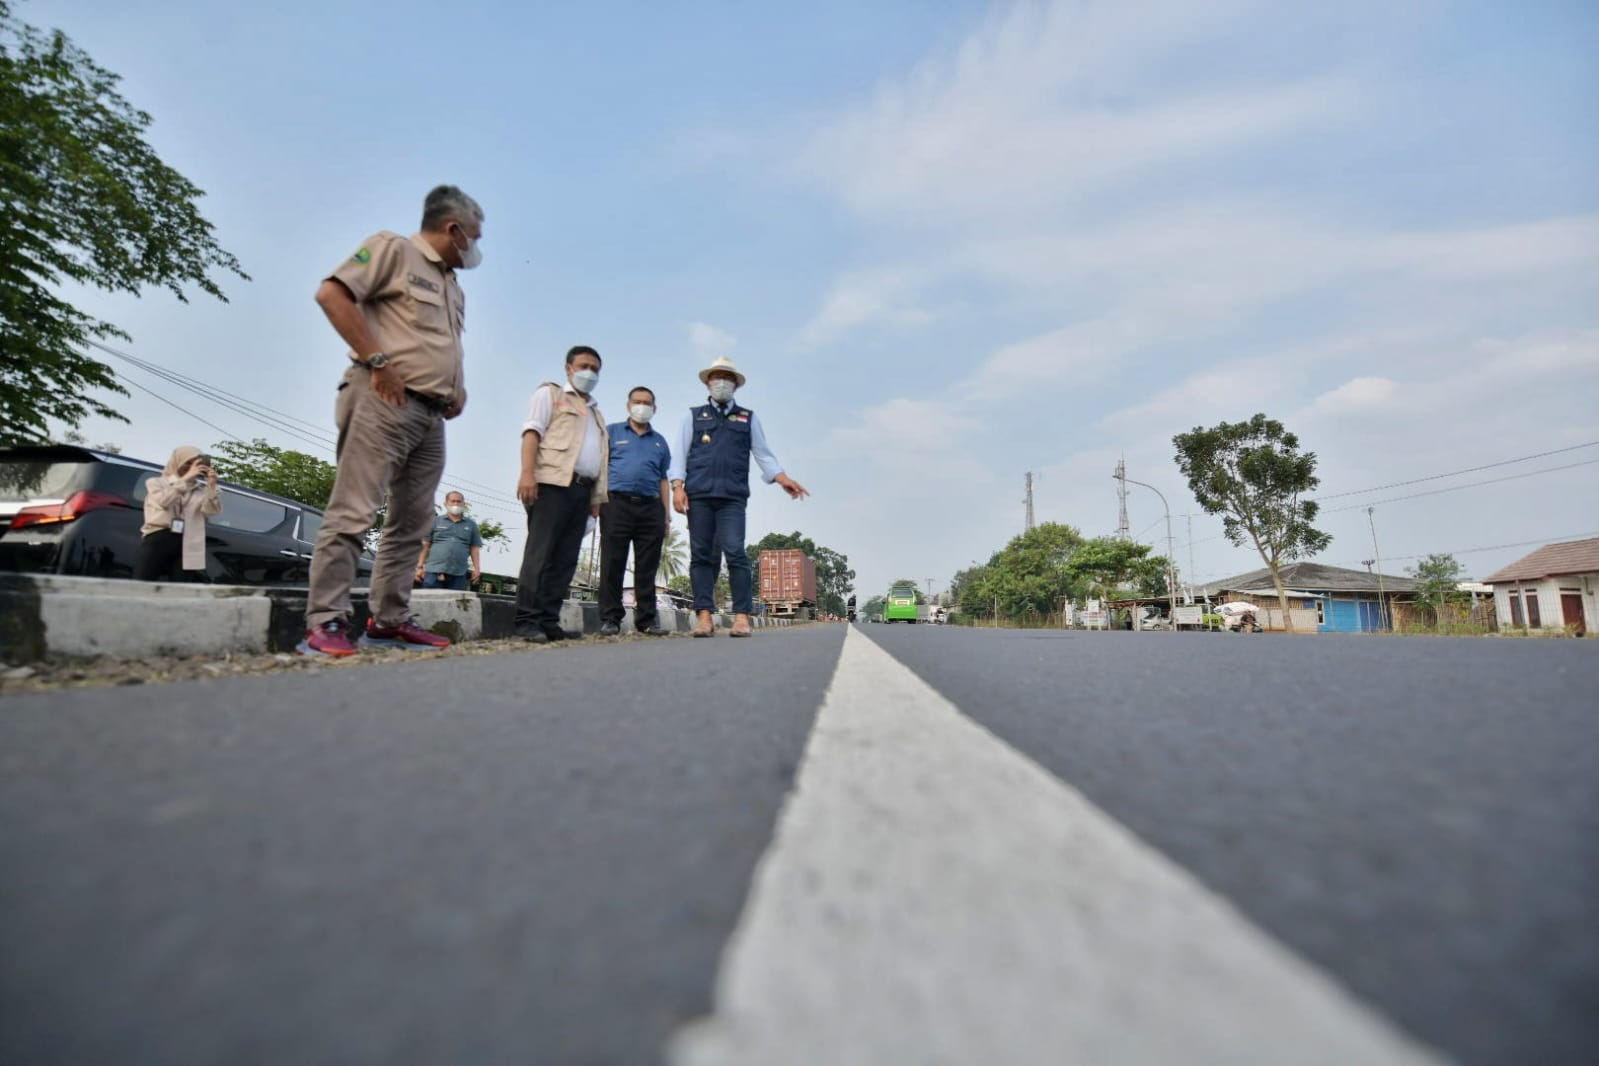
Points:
(710, 476)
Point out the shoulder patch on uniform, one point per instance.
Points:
(362, 256)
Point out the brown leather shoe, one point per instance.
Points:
(741, 626)
(706, 624)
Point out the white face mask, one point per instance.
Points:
(722, 390)
(585, 380)
(456, 510)
(641, 413)
(471, 255)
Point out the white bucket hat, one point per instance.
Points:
(722, 362)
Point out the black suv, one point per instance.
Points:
(71, 510)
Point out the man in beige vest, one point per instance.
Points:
(398, 306)
(564, 459)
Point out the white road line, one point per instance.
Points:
(933, 896)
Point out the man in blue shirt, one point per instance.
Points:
(636, 514)
(450, 552)
(710, 476)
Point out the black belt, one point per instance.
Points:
(584, 482)
(432, 403)
(636, 495)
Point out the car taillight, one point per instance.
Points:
(75, 506)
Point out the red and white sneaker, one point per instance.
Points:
(330, 639)
(407, 635)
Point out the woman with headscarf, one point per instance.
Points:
(176, 505)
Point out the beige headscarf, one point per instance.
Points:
(170, 496)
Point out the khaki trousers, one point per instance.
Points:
(383, 450)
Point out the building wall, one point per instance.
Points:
(1549, 591)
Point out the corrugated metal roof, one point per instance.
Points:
(1569, 557)
(1318, 576)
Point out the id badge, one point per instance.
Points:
(177, 525)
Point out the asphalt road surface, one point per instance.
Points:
(872, 844)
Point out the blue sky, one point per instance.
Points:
(949, 243)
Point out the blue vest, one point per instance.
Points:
(719, 466)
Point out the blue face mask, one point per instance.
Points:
(585, 380)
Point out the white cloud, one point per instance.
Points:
(709, 342)
(1359, 396)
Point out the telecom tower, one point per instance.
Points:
(1122, 530)
(1029, 501)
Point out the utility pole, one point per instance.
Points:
(1382, 596)
(1190, 559)
(1171, 576)
(1028, 500)
(1123, 531)
(929, 583)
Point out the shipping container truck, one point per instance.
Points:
(787, 583)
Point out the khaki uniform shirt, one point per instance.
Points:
(414, 308)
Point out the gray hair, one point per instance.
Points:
(446, 204)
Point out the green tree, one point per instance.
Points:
(1254, 475)
(834, 578)
(874, 607)
(1114, 566)
(674, 556)
(492, 532)
(87, 202)
(263, 466)
(1030, 575)
(1436, 579)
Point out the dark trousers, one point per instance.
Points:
(637, 522)
(455, 582)
(554, 538)
(161, 559)
(715, 529)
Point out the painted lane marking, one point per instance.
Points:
(933, 896)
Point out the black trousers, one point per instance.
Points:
(555, 525)
(639, 523)
(161, 559)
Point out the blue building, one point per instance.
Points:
(1323, 599)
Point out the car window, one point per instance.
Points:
(310, 522)
(249, 514)
(44, 480)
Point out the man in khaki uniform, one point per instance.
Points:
(565, 454)
(398, 306)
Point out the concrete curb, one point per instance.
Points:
(46, 616)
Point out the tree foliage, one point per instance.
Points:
(86, 201)
(1437, 577)
(873, 608)
(834, 578)
(280, 471)
(1052, 564)
(1254, 475)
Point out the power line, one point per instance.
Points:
(169, 403)
(1457, 473)
(272, 418)
(1499, 547)
(1457, 488)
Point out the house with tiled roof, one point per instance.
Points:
(1321, 598)
(1553, 588)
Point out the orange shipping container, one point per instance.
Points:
(787, 575)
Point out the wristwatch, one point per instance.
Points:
(375, 361)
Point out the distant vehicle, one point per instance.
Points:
(900, 606)
(71, 510)
(787, 583)
(1149, 617)
(849, 606)
(1239, 616)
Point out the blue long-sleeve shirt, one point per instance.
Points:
(759, 449)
